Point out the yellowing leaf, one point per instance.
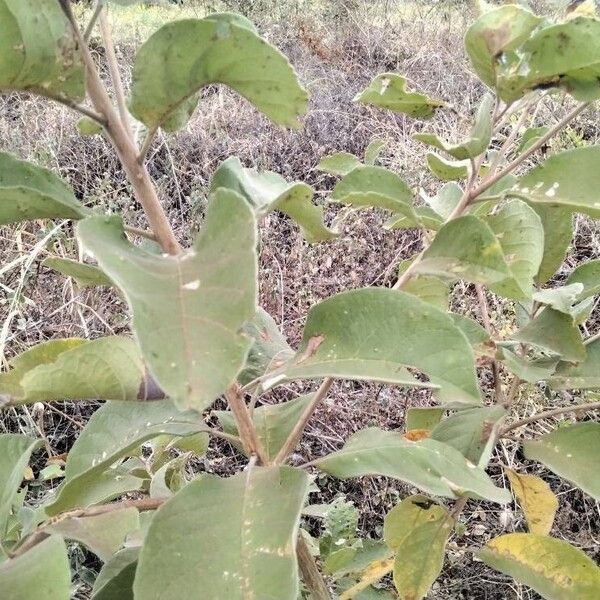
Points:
(553, 568)
(536, 499)
(372, 574)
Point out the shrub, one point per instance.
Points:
(198, 334)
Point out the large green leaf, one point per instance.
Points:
(373, 333)
(565, 55)
(368, 186)
(388, 90)
(85, 275)
(417, 530)
(471, 432)
(423, 418)
(478, 140)
(238, 542)
(530, 370)
(184, 56)
(115, 580)
(117, 430)
(521, 235)
(465, 248)
(38, 52)
(588, 274)
(273, 422)
(266, 192)
(269, 349)
(495, 34)
(558, 232)
(552, 567)
(446, 200)
(432, 290)
(427, 464)
(31, 192)
(585, 375)
(187, 309)
(15, 451)
(42, 572)
(555, 332)
(571, 452)
(569, 179)
(108, 368)
(103, 534)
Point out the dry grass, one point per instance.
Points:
(335, 59)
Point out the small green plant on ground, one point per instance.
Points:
(198, 335)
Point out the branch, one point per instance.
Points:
(144, 189)
(550, 413)
(310, 572)
(86, 112)
(147, 144)
(245, 426)
(296, 434)
(141, 232)
(40, 534)
(92, 22)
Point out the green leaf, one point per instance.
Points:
(267, 192)
(532, 371)
(496, 34)
(108, 368)
(38, 52)
(368, 187)
(478, 140)
(445, 169)
(555, 332)
(471, 431)
(561, 298)
(170, 478)
(371, 551)
(42, 572)
(239, 542)
(570, 451)
(473, 331)
(373, 150)
(583, 376)
(87, 126)
(569, 180)
(521, 235)
(388, 90)
(115, 580)
(432, 290)
(31, 192)
(417, 530)
(588, 274)
(423, 418)
(273, 422)
(84, 275)
(184, 56)
(565, 56)
(552, 567)
(465, 248)
(446, 200)
(15, 451)
(339, 163)
(530, 136)
(187, 309)
(558, 232)
(269, 350)
(354, 335)
(103, 534)
(430, 465)
(116, 430)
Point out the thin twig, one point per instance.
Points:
(310, 572)
(296, 434)
(550, 413)
(145, 233)
(115, 74)
(86, 112)
(92, 22)
(147, 144)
